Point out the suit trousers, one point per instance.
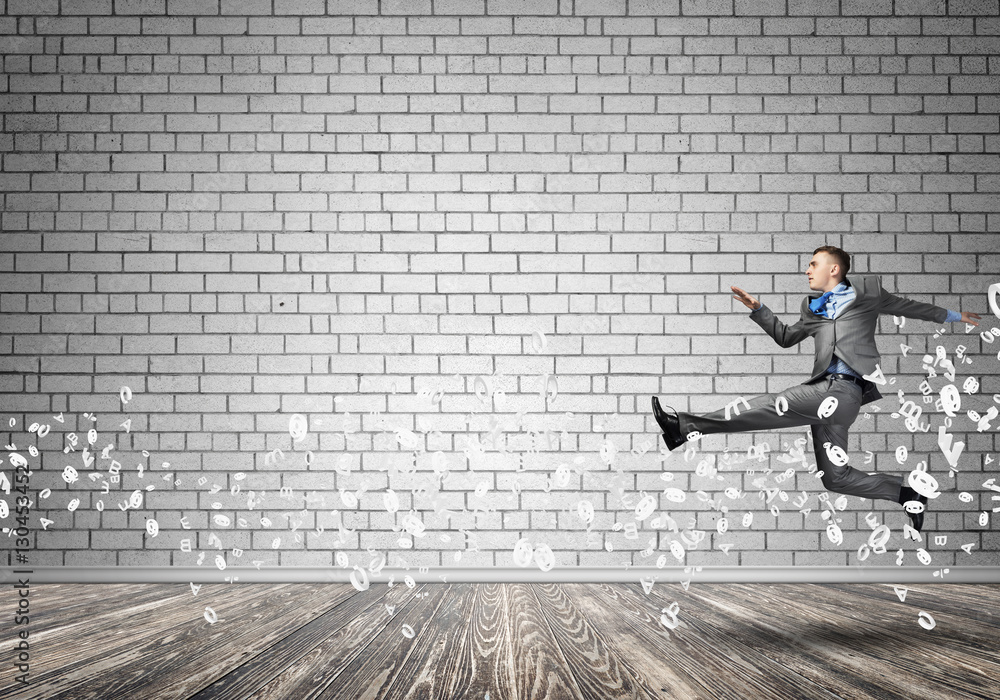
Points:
(804, 401)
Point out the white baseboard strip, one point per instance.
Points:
(589, 574)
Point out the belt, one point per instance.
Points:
(849, 377)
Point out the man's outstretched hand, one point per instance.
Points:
(749, 301)
(967, 316)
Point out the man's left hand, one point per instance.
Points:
(967, 316)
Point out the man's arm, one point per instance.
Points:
(900, 306)
(784, 335)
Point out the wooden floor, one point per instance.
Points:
(499, 641)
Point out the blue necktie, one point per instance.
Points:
(817, 304)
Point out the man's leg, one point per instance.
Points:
(846, 479)
(803, 401)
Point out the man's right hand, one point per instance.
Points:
(748, 301)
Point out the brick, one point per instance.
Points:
(459, 7)
(521, 7)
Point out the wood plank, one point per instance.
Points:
(57, 597)
(440, 657)
(61, 611)
(744, 622)
(963, 634)
(358, 659)
(491, 667)
(70, 651)
(661, 674)
(974, 601)
(721, 664)
(372, 673)
(338, 627)
(540, 669)
(598, 671)
(187, 654)
(873, 644)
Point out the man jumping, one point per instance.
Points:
(842, 320)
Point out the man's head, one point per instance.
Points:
(828, 268)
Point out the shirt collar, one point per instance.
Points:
(841, 288)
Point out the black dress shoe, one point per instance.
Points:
(670, 424)
(908, 494)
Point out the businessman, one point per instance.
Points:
(841, 316)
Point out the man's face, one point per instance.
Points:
(821, 271)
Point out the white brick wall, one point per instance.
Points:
(247, 210)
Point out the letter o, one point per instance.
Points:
(828, 407)
(781, 405)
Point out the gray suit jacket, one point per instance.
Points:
(852, 334)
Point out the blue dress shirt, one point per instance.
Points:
(840, 299)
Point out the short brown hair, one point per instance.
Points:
(841, 257)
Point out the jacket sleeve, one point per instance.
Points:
(785, 336)
(901, 306)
